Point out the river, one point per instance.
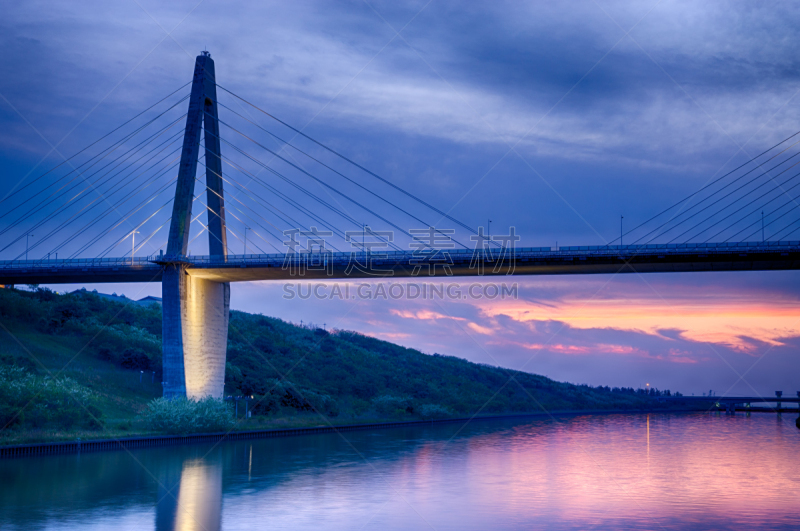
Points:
(656, 471)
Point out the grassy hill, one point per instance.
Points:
(109, 353)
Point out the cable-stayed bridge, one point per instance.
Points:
(133, 205)
(748, 256)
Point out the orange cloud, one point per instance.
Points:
(481, 329)
(737, 323)
(674, 355)
(593, 349)
(391, 335)
(425, 315)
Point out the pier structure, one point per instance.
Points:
(196, 310)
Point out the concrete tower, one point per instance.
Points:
(195, 311)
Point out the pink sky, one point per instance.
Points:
(690, 333)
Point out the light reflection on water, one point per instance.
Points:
(615, 472)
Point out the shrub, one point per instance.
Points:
(10, 416)
(434, 411)
(320, 403)
(45, 401)
(134, 358)
(185, 415)
(266, 404)
(390, 405)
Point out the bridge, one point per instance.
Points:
(88, 206)
(731, 404)
(768, 256)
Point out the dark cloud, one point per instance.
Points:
(603, 125)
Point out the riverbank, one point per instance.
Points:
(128, 443)
(87, 366)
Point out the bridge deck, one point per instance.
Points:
(526, 261)
(735, 399)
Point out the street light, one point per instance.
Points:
(134, 232)
(27, 237)
(245, 239)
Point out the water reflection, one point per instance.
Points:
(621, 472)
(192, 499)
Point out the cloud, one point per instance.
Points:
(484, 330)
(391, 336)
(492, 74)
(741, 321)
(606, 125)
(599, 348)
(424, 315)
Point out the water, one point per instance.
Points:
(595, 472)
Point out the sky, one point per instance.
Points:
(553, 118)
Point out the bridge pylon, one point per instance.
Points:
(196, 311)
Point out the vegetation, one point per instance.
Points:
(35, 401)
(64, 354)
(187, 416)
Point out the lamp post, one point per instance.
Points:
(245, 239)
(134, 232)
(620, 230)
(27, 245)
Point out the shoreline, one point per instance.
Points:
(151, 441)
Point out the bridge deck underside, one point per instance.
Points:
(272, 268)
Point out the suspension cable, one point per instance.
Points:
(291, 202)
(320, 181)
(362, 168)
(426, 224)
(122, 201)
(99, 140)
(679, 223)
(731, 203)
(79, 213)
(233, 198)
(244, 188)
(51, 199)
(302, 189)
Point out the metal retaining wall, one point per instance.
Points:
(23, 450)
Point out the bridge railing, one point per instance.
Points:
(520, 253)
(76, 262)
(671, 246)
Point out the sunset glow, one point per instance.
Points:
(739, 324)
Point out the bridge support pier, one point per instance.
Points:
(195, 311)
(195, 334)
